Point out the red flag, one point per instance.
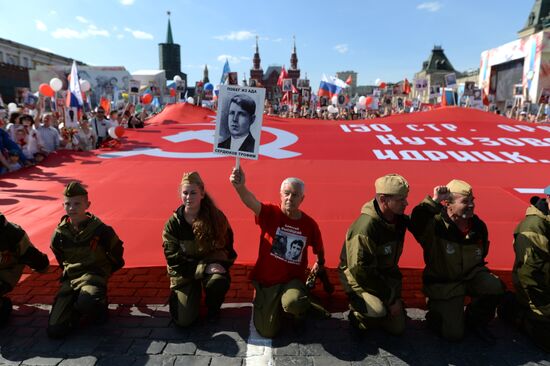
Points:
(105, 103)
(485, 98)
(286, 98)
(283, 75)
(406, 87)
(443, 97)
(294, 90)
(348, 80)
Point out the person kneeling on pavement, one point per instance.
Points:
(529, 307)
(370, 255)
(280, 270)
(16, 251)
(455, 242)
(88, 251)
(198, 246)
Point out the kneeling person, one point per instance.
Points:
(279, 273)
(88, 251)
(198, 246)
(368, 262)
(16, 251)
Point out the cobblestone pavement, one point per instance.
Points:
(145, 335)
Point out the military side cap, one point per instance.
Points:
(391, 184)
(547, 191)
(459, 187)
(74, 189)
(192, 178)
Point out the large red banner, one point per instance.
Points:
(135, 189)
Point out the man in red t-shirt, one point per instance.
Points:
(279, 273)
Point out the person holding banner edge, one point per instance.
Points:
(279, 277)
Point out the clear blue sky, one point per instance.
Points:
(386, 39)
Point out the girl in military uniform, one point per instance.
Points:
(198, 245)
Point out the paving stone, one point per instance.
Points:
(329, 361)
(115, 360)
(290, 349)
(185, 348)
(41, 361)
(12, 360)
(169, 333)
(136, 333)
(226, 361)
(155, 360)
(192, 361)
(80, 361)
(292, 360)
(79, 345)
(156, 322)
(146, 346)
(114, 346)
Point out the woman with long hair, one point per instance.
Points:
(198, 245)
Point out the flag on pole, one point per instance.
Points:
(226, 71)
(348, 80)
(328, 88)
(406, 87)
(74, 94)
(283, 75)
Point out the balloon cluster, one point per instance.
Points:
(116, 132)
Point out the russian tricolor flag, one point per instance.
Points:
(328, 88)
(74, 94)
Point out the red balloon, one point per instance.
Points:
(146, 98)
(368, 101)
(172, 92)
(382, 85)
(46, 90)
(119, 131)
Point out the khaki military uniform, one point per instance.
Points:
(531, 275)
(16, 251)
(186, 263)
(369, 269)
(88, 257)
(455, 268)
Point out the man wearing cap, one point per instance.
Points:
(16, 251)
(279, 276)
(529, 309)
(88, 251)
(455, 243)
(368, 262)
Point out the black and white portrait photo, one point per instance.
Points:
(239, 121)
(287, 85)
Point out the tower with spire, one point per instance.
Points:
(256, 72)
(538, 19)
(169, 55)
(294, 71)
(205, 78)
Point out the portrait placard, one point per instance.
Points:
(450, 80)
(287, 85)
(133, 87)
(239, 121)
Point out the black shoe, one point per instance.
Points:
(5, 310)
(355, 324)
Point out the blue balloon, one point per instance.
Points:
(208, 86)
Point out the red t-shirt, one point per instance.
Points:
(283, 246)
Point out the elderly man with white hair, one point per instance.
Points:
(279, 276)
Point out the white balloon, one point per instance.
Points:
(112, 133)
(85, 85)
(177, 78)
(56, 84)
(12, 107)
(334, 100)
(60, 126)
(332, 109)
(362, 99)
(377, 82)
(190, 100)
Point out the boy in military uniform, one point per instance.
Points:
(88, 251)
(529, 309)
(16, 251)
(455, 244)
(368, 262)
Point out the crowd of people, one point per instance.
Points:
(198, 247)
(28, 134)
